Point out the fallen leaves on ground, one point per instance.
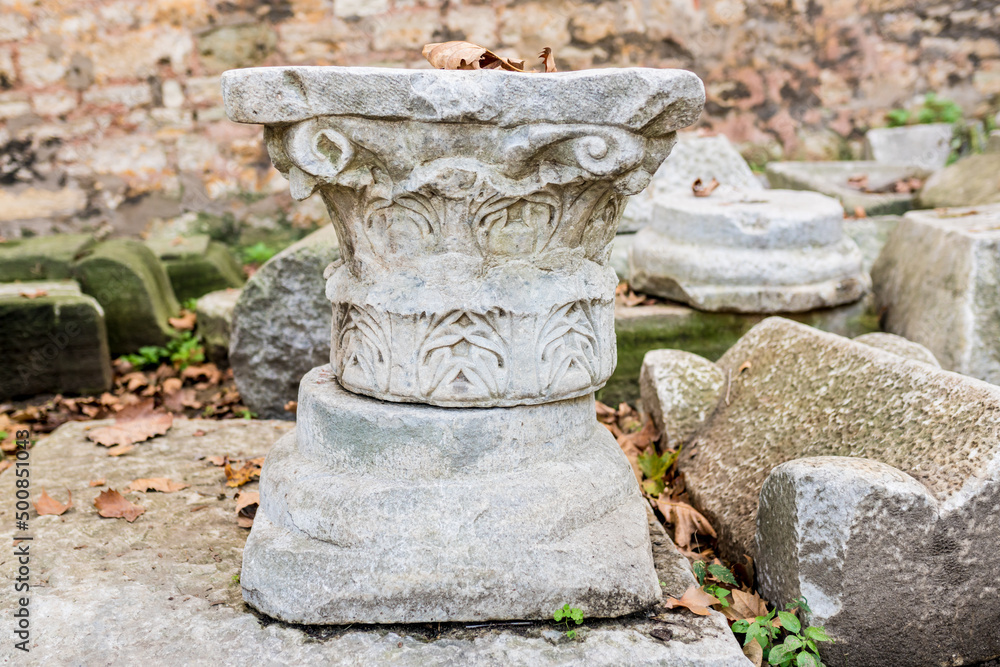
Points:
(113, 505)
(701, 189)
(624, 296)
(695, 599)
(98, 482)
(33, 294)
(246, 508)
(240, 476)
(183, 322)
(118, 450)
(46, 504)
(135, 423)
(161, 484)
(687, 521)
(901, 186)
(754, 652)
(745, 606)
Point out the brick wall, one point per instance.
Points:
(110, 112)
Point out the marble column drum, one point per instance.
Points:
(447, 465)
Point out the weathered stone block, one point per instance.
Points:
(52, 339)
(898, 346)
(197, 265)
(972, 181)
(679, 391)
(281, 324)
(132, 287)
(938, 283)
(215, 322)
(752, 252)
(692, 158)
(381, 561)
(927, 146)
(870, 234)
(42, 257)
(832, 179)
(933, 439)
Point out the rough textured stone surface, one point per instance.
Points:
(197, 265)
(492, 521)
(132, 287)
(162, 588)
(42, 257)
(853, 535)
(281, 324)
(215, 321)
(870, 234)
(938, 283)
(679, 391)
(831, 178)
(972, 181)
(475, 267)
(937, 426)
(898, 345)
(757, 252)
(55, 342)
(692, 158)
(927, 146)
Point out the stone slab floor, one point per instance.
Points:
(161, 590)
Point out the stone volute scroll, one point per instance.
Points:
(475, 212)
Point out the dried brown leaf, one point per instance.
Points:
(217, 460)
(113, 505)
(246, 508)
(548, 59)
(33, 294)
(466, 55)
(704, 189)
(291, 406)
(46, 504)
(236, 478)
(754, 652)
(118, 450)
(687, 521)
(695, 599)
(745, 606)
(632, 454)
(161, 484)
(210, 372)
(643, 438)
(184, 322)
(133, 424)
(171, 386)
(605, 413)
(98, 482)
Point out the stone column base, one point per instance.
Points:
(375, 512)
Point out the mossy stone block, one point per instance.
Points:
(215, 321)
(197, 265)
(132, 286)
(52, 339)
(41, 257)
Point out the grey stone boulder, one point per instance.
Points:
(281, 324)
(166, 587)
(693, 157)
(899, 346)
(871, 235)
(937, 283)
(133, 288)
(679, 391)
(215, 321)
(972, 181)
(771, 251)
(927, 146)
(52, 339)
(798, 393)
(833, 179)
(854, 535)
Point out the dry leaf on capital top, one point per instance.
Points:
(113, 505)
(133, 424)
(466, 55)
(246, 508)
(46, 504)
(161, 484)
(695, 599)
(687, 521)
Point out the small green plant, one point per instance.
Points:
(933, 110)
(655, 466)
(190, 304)
(567, 614)
(258, 253)
(720, 573)
(181, 352)
(236, 578)
(246, 414)
(796, 646)
(897, 117)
